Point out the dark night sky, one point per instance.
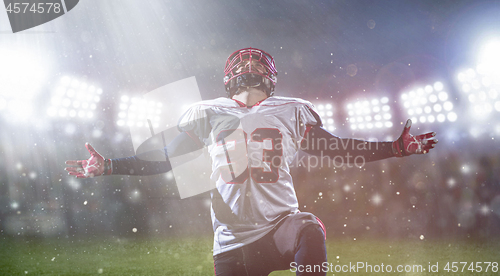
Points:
(137, 46)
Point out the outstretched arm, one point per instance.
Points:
(97, 165)
(320, 142)
(408, 144)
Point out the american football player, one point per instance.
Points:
(252, 137)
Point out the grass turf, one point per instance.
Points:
(192, 256)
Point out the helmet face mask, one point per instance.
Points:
(250, 67)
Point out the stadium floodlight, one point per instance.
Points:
(481, 89)
(489, 60)
(326, 112)
(429, 104)
(138, 112)
(74, 99)
(481, 85)
(22, 76)
(369, 114)
(22, 73)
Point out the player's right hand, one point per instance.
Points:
(94, 166)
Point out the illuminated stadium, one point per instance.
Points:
(121, 76)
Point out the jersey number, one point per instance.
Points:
(234, 173)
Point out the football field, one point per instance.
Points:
(192, 256)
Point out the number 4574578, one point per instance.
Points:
(472, 266)
(34, 8)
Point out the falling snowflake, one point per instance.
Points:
(465, 169)
(451, 182)
(376, 199)
(485, 210)
(347, 188)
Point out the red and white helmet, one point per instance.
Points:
(250, 67)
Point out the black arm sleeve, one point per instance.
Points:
(320, 142)
(139, 164)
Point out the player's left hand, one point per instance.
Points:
(408, 144)
(94, 166)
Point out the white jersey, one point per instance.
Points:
(251, 149)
